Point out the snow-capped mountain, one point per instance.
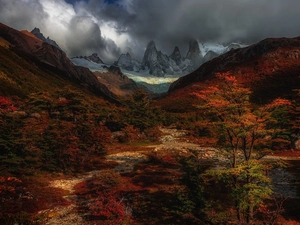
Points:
(213, 50)
(233, 46)
(158, 64)
(93, 62)
(158, 70)
(94, 58)
(209, 56)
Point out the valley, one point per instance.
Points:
(158, 70)
(147, 162)
(219, 145)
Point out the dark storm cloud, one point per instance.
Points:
(83, 26)
(76, 33)
(86, 39)
(174, 22)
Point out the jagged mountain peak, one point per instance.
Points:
(37, 32)
(256, 65)
(193, 49)
(151, 44)
(126, 62)
(156, 62)
(194, 54)
(176, 49)
(150, 58)
(176, 55)
(94, 58)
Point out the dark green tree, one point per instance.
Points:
(140, 112)
(11, 143)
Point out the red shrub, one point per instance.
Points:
(6, 105)
(108, 208)
(168, 159)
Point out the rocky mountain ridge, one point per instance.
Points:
(92, 58)
(156, 63)
(109, 75)
(118, 83)
(36, 32)
(49, 57)
(269, 57)
(270, 68)
(126, 62)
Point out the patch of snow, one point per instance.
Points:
(91, 65)
(215, 47)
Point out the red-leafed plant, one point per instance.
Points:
(169, 159)
(241, 129)
(108, 207)
(6, 105)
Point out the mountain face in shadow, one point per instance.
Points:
(50, 58)
(269, 68)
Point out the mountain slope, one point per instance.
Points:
(21, 76)
(36, 32)
(111, 76)
(51, 59)
(118, 83)
(270, 68)
(94, 58)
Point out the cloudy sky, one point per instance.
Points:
(112, 27)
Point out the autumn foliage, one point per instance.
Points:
(6, 105)
(66, 130)
(228, 107)
(54, 133)
(241, 128)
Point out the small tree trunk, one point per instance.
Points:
(238, 211)
(250, 203)
(249, 217)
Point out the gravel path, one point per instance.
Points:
(127, 160)
(171, 140)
